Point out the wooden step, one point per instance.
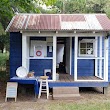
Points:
(65, 92)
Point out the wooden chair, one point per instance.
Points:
(11, 90)
(44, 88)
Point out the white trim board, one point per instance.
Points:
(62, 34)
(54, 57)
(75, 57)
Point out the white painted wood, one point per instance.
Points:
(96, 61)
(43, 83)
(75, 57)
(70, 54)
(100, 77)
(100, 55)
(25, 61)
(28, 47)
(54, 57)
(90, 81)
(34, 47)
(62, 34)
(106, 60)
(40, 58)
(90, 57)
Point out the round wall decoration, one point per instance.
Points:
(38, 53)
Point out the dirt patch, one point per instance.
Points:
(27, 100)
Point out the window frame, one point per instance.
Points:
(86, 41)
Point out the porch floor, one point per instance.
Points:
(69, 78)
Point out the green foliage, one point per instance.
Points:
(4, 77)
(3, 58)
(8, 9)
(83, 6)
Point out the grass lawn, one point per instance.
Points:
(90, 105)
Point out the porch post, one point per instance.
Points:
(100, 61)
(25, 52)
(70, 54)
(75, 57)
(96, 61)
(54, 57)
(106, 59)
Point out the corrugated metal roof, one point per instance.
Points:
(59, 22)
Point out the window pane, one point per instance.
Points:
(90, 51)
(82, 45)
(82, 51)
(89, 45)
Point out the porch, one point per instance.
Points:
(69, 78)
(84, 63)
(64, 81)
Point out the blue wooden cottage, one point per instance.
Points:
(74, 45)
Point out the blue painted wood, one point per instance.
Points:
(78, 84)
(85, 67)
(15, 52)
(38, 65)
(23, 81)
(61, 84)
(109, 59)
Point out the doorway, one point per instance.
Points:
(63, 59)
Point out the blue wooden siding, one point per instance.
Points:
(39, 65)
(85, 67)
(15, 52)
(109, 60)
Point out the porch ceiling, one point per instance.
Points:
(59, 22)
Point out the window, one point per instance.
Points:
(86, 47)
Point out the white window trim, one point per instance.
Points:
(87, 41)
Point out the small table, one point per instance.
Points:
(33, 80)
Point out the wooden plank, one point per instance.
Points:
(69, 78)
